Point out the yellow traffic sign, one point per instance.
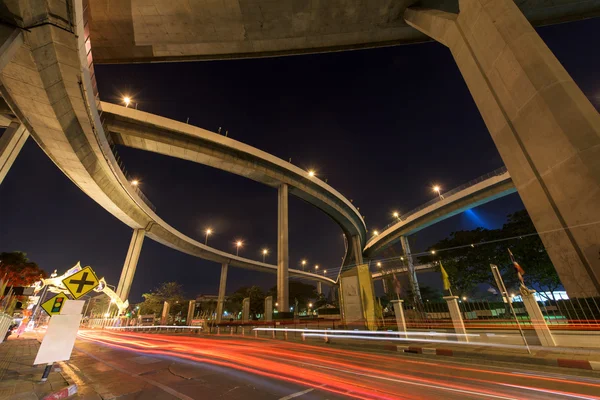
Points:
(81, 282)
(55, 304)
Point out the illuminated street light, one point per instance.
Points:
(402, 258)
(317, 267)
(208, 232)
(432, 251)
(324, 272)
(303, 264)
(264, 253)
(438, 189)
(135, 182)
(238, 244)
(396, 214)
(375, 233)
(276, 304)
(311, 172)
(464, 298)
(379, 264)
(127, 101)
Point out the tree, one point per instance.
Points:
(257, 300)
(298, 292)
(168, 291)
(18, 270)
(469, 255)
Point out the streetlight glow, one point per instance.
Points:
(264, 253)
(317, 267)
(238, 244)
(379, 264)
(208, 232)
(396, 215)
(432, 251)
(135, 182)
(375, 233)
(311, 172)
(127, 101)
(438, 189)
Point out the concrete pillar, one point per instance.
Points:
(133, 255)
(191, 312)
(400, 320)
(412, 274)
(246, 310)
(164, 316)
(221, 298)
(319, 287)
(384, 283)
(283, 257)
(11, 143)
(545, 128)
(11, 40)
(457, 319)
(357, 250)
(268, 308)
(537, 318)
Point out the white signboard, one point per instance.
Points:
(72, 307)
(59, 339)
(352, 306)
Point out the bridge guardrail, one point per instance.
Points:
(404, 217)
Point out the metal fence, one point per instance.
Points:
(403, 217)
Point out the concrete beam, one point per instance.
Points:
(412, 273)
(11, 40)
(545, 128)
(130, 265)
(11, 143)
(283, 256)
(222, 287)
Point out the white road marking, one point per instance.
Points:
(291, 396)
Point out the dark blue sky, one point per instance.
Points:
(380, 125)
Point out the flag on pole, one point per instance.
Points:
(445, 278)
(520, 271)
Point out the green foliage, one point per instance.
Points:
(18, 270)
(300, 293)
(168, 291)
(257, 301)
(471, 253)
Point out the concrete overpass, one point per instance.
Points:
(46, 80)
(475, 193)
(128, 31)
(379, 275)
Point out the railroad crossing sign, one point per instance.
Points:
(55, 304)
(81, 282)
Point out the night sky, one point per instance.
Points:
(380, 125)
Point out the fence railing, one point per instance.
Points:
(404, 216)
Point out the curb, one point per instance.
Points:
(62, 393)
(554, 362)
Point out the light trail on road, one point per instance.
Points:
(353, 373)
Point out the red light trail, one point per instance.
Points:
(351, 373)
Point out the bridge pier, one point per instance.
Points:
(130, 265)
(283, 257)
(11, 143)
(412, 273)
(544, 127)
(222, 286)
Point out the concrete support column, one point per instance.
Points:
(412, 274)
(222, 286)
(319, 287)
(283, 257)
(246, 309)
(457, 319)
(133, 255)
(191, 312)
(400, 320)
(11, 143)
(268, 308)
(545, 128)
(357, 250)
(537, 318)
(164, 317)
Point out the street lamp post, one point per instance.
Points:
(316, 268)
(264, 253)
(208, 232)
(438, 189)
(303, 264)
(238, 244)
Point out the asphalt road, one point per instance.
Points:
(154, 366)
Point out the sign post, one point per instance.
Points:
(504, 293)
